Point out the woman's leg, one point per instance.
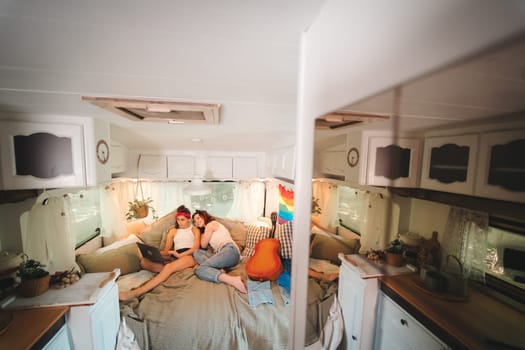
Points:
(174, 266)
(211, 269)
(149, 265)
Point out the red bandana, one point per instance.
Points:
(182, 213)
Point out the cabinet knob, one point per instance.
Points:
(404, 322)
(354, 337)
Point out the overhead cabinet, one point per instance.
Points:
(118, 157)
(283, 162)
(152, 166)
(181, 167)
(48, 155)
(486, 164)
(501, 168)
(333, 161)
(382, 160)
(449, 163)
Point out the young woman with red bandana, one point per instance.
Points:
(181, 242)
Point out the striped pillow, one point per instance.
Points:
(254, 233)
(284, 234)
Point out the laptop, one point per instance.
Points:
(153, 253)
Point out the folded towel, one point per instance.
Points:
(259, 293)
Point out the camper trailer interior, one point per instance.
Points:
(337, 128)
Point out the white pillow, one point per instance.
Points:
(117, 244)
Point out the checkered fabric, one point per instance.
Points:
(284, 234)
(254, 234)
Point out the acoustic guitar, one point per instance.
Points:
(265, 264)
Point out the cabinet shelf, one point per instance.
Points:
(449, 167)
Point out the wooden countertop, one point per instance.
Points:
(480, 322)
(30, 325)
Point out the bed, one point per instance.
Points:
(188, 313)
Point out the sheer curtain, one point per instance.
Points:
(272, 197)
(381, 223)
(328, 199)
(46, 233)
(465, 237)
(248, 201)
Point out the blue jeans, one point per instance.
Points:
(211, 263)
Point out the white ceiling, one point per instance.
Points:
(482, 89)
(242, 54)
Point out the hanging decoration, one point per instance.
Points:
(286, 205)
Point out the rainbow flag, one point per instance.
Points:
(285, 205)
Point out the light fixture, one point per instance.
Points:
(197, 187)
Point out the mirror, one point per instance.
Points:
(348, 161)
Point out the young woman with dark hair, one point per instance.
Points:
(225, 252)
(181, 242)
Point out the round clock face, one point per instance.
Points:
(102, 151)
(352, 157)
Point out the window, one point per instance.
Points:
(85, 218)
(218, 202)
(352, 208)
(506, 258)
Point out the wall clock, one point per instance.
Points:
(352, 157)
(102, 151)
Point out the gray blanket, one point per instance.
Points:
(188, 313)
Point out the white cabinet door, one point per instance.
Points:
(219, 168)
(118, 157)
(397, 330)
(283, 162)
(358, 299)
(181, 167)
(153, 167)
(96, 326)
(333, 163)
(393, 162)
(60, 340)
(501, 168)
(245, 168)
(40, 155)
(449, 163)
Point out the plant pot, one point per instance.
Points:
(142, 212)
(33, 287)
(394, 259)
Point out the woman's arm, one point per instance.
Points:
(208, 231)
(169, 242)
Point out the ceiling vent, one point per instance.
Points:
(342, 119)
(163, 111)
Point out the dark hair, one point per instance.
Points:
(205, 216)
(180, 209)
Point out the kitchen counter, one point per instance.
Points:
(32, 328)
(480, 322)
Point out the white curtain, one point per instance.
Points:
(248, 201)
(272, 197)
(47, 235)
(381, 223)
(328, 199)
(465, 237)
(111, 212)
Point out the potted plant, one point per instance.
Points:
(394, 254)
(34, 278)
(139, 208)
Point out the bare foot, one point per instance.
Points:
(234, 281)
(126, 295)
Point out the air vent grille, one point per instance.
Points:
(163, 111)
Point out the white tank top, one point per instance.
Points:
(220, 237)
(184, 238)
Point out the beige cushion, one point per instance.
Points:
(126, 258)
(152, 235)
(327, 248)
(237, 231)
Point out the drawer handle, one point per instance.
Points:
(404, 322)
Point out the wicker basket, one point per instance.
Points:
(142, 212)
(34, 287)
